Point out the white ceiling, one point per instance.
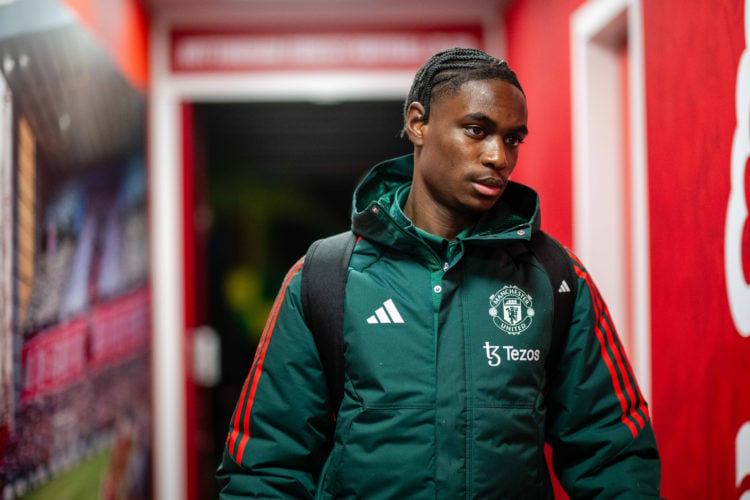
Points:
(322, 11)
(79, 107)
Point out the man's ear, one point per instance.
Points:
(415, 123)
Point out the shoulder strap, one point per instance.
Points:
(323, 287)
(554, 257)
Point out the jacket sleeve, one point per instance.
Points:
(279, 434)
(598, 422)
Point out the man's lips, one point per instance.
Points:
(489, 186)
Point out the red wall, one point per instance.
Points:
(700, 363)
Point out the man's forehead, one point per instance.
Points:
(449, 89)
(484, 97)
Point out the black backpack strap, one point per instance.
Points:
(559, 267)
(324, 275)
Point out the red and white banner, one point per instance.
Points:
(62, 355)
(54, 359)
(120, 329)
(196, 51)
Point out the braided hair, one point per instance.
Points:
(446, 71)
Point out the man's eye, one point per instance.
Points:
(514, 140)
(474, 130)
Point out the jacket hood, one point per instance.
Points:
(515, 215)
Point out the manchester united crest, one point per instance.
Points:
(511, 309)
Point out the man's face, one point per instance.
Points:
(468, 147)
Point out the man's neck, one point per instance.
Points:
(436, 220)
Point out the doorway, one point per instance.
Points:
(269, 178)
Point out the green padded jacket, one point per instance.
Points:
(445, 390)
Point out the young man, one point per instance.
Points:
(448, 390)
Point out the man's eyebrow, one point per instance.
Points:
(481, 117)
(521, 130)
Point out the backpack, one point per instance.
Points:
(324, 283)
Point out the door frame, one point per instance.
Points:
(170, 214)
(602, 137)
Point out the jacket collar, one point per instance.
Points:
(375, 209)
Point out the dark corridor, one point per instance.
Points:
(271, 177)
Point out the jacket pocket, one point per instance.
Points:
(374, 458)
(507, 453)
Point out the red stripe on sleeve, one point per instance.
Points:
(251, 383)
(625, 404)
(641, 402)
(622, 364)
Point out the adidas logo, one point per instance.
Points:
(386, 314)
(564, 288)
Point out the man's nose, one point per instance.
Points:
(493, 155)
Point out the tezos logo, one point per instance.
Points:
(511, 309)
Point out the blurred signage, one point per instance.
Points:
(120, 328)
(196, 51)
(736, 253)
(54, 359)
(62, 355)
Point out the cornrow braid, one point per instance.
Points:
(446, 71)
